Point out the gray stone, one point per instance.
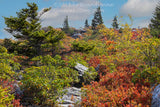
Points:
(65, 105)
(68, 102)
(81, 69)
(77, 35)
(20, 77)
(156, 97)
(97, 68)
(72, 97)
(17, 89)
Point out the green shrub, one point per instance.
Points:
(44, 84)
(89, 75)
(148, 75)
(3, 49)
(5, 98)
(7, 64)
(82, 46)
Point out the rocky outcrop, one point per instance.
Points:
(72, 98)
(156, 96)
(81, 69)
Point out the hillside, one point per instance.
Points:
(94, 66)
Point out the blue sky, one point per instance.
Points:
(79, 10)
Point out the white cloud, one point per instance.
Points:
(74, 12)
(142, 22)
(77, 11)
(138, 8)
(83, 1)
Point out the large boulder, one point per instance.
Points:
(156, 96)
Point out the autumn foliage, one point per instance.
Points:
(122, 65)
(117, 90)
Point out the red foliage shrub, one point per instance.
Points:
(117, 90)
(130, 68)
(103, 69)
(7, 84)
(16, 103)
(94, 61)
(134, 35)
(115, 79)
(110, 42)
(20, 59)
(10, 86)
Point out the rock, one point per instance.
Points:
(156, 97)
(73, 91)
(18, 91)
(68, 102)
(81, 69)
(76, 35)
(72, 97)
(20, 77)
(65, 105)
(97, 68)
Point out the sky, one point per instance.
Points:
(80, 10)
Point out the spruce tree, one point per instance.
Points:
(86, 24)
(97, 20)
(26, 22)
(66, 25)
(115, 23)
(26, 27)
(155, 22)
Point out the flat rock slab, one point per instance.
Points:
(81, 69)
(65, 105)
(72, 97)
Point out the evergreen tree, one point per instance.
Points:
(115, 23)
(26, 27)
(86, 24)
(97, 20)
(66, 25)
(53, 38)
(155, 22)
